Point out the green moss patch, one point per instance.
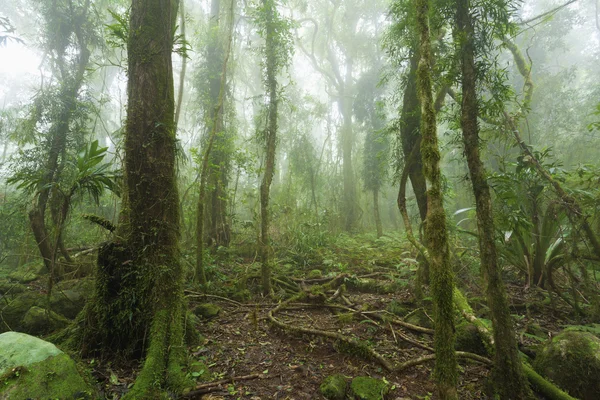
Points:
(334, 387)
(572, 361)
(367, 388)
(54, 378)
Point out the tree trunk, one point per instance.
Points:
(376, 213)
(71, 82)
(205, 172)
(270, 145)
(347, 138)
(218, 232)
(138, 304)
(509, 379)
(436, 235)
(410, 136)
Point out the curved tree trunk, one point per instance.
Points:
(410, 136)
(509, 379)
(436, 235)
(138, 305)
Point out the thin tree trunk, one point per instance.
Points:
(204, 173)
(410, 136)
(436, 235)
(376, 213)
(271, 140)
(509, 379)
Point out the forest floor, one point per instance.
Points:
(376, 307)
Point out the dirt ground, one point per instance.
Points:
(292, 366)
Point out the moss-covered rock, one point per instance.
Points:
(315, 274)
(469, 339)
(13, 312)
(38, 321)
(68, 297)
(572, 361)
(31, 368)
(367, 388)
(27, 272)
(11, 288)
(334, 387)
(207, 310)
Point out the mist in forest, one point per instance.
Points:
(434, 163)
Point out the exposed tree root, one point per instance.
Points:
(352, 343)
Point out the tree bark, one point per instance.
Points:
(376, 213)
(270, 145)
(218, 232)
(410, 136)
(436, 235)
(509, 379)
(138, 306)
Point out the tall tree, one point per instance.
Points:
(218, 232)
(436, 235)
(509, 380)
(66, 38)
(275, 31)
(368, 110)
(138, 302)
(211, 173)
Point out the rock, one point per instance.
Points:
(334, 387)
(11, 288)
(367, 388)
(69, 297)
(27, 272)
(13, 312)
(315, 274)
(34, 369)
(469, 339)
(572, 361)
(207, 310)
(38, 321)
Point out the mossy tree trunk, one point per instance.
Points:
(270, 143)
(508, 377)
(436, 235)
(138, 306)
(211, 172)
(410, 136)
(218, 232)
(349, 209)
(376, 213)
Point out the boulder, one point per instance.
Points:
(367, 388)
(69, 297)
(12, 313)
(572, 361)
(31, 368)
(469, 339)
(38, 321)
(207, 310)
(334, 387)
(27, 272)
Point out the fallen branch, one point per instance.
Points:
(212, 386)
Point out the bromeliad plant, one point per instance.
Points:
(86, 174)
(534, 227)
